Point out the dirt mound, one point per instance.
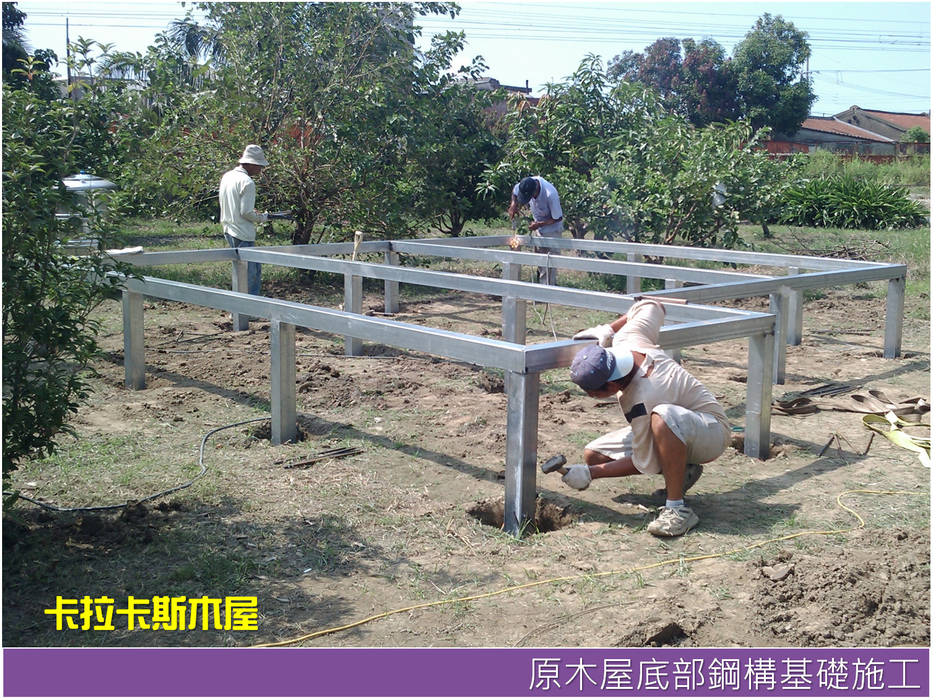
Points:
(852, 595)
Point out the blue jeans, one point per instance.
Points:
(253, 269)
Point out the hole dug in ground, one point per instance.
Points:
(550, 516)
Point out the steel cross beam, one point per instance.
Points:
(522, 365)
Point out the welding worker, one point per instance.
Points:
(544, 203)
(675, 423)
(239, 218)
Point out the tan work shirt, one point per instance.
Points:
(659, 380)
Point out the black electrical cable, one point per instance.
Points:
(117, 506)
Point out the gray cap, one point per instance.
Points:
(593, 366)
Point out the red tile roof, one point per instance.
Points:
(902, 120)
(831, 125)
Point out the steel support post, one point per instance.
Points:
(779, 302)
(391, 286)
(633, 283)
(794, 312)
(282, 382)
(353, 304)
(894, 313)
(676, 353)
(520, 477)
(514, 309)
(238, 276)
(133, 330)
(514, 312)
(760, 364)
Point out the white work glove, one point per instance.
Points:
(603, 334)
(577, 477)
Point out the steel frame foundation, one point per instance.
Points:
(691, 324)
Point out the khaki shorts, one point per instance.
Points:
(704, 435)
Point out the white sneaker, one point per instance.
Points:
(672, 522)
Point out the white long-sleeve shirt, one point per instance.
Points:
(238, 195)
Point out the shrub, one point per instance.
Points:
(912, 171)
(849, 202)
(49, 338)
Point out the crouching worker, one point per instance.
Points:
(675, 423)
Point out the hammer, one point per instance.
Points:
(554, 464)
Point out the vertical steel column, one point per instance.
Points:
(520, 477)
(760, 365)
(133, 331)
(894, 313)
(676, 353)
(514, 309)
(779, 302)
(795, 312)
(633, 283)
(238, 276)
(282, 382)
(353, 304)
(391, 286)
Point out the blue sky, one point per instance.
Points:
(874, 54)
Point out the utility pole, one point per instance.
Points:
(68, 65)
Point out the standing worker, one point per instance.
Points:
(238, 195)
(544, 203)
(675, 423)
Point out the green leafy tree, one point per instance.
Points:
(772, 87)
(14, 41)
(49, 337)
(628, 168)
(362, 129)
(693, 79)
(19, 67)
(915, 134)
(452, 142)
(764, 80)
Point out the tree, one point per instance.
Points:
(915, 134)
(14, 42)
(16, 56)
(772, 86)
(693, 79)
(628, 168)
(49, 338)
(362, 129)
(763, 81)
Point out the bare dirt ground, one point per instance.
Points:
(411, 519)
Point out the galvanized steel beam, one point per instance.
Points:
(563, 296)
(282, 382)
(563, 262)
(894, 315)
(707, 254)
(760, 367)
(484, 352)
(133, 332)
(520, 474)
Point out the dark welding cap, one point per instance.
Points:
(527, 189)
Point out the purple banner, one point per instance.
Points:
(541, 673)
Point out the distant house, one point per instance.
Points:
(500, 108)
(832, 134)
(856, 131)
(892, 125)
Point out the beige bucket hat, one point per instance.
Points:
(253, 154)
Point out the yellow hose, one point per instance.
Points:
(560, 579)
